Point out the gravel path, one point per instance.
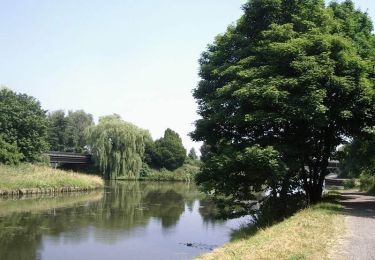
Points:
(359, 241)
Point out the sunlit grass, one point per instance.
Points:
(43, 178)
(306, 235)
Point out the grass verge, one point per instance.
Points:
(30, 179)
(306, 235)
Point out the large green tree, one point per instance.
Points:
(167, 152)
(77, 122)
(57, 130)
(117, 147)
(279, 91)
(23, 125)
(67, 132)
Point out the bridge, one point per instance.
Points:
(334, 166)
(68, 158)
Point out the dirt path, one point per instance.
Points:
(359, 241)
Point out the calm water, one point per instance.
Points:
(129, 220)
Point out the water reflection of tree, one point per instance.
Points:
(17, 240)
(164, 205)
(123, 208)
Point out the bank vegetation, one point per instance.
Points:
(308, 234)
(32, 179)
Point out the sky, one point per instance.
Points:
(135, 58)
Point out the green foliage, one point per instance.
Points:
(192, 154)
(358, 156)
(349, 184)
(167, 152)
(117, 147)
(23, 126)
(367, 182)
(77, 122)
(9, 153)
(279, 91)
(56, 130)
(186, 172)
(67, 132)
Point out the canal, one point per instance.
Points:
(127, 220)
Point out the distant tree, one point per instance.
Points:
(57, 124)
(280, 90)
(168, 152)
(117, 147)
(205, 152)
(77, 122)
(23, 125)
(192, 154)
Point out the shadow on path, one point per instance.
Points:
(359, 240)
(358, 204)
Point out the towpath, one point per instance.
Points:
(359, 240)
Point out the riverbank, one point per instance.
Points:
(306, 235)
(33, 179)
(185, 173)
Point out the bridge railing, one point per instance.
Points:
(72, 158)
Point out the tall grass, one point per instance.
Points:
(28, 178)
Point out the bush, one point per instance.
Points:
(367, 182)
(349, 184)
(145, 171)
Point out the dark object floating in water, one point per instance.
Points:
(200, 246)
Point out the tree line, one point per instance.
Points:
(118, 148)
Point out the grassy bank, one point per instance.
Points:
(30, 179)
(185, 173)
(306, 235)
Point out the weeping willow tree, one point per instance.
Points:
(117, 147)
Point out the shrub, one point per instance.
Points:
(367, 182)
(349, 184)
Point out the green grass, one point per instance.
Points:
(28, 178)
(306, 235)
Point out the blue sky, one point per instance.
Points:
(135, 58)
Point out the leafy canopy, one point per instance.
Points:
(23, 127)
(117, 147)
(67, 132)
(359, 156)
(167, 152)
(278, 92)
